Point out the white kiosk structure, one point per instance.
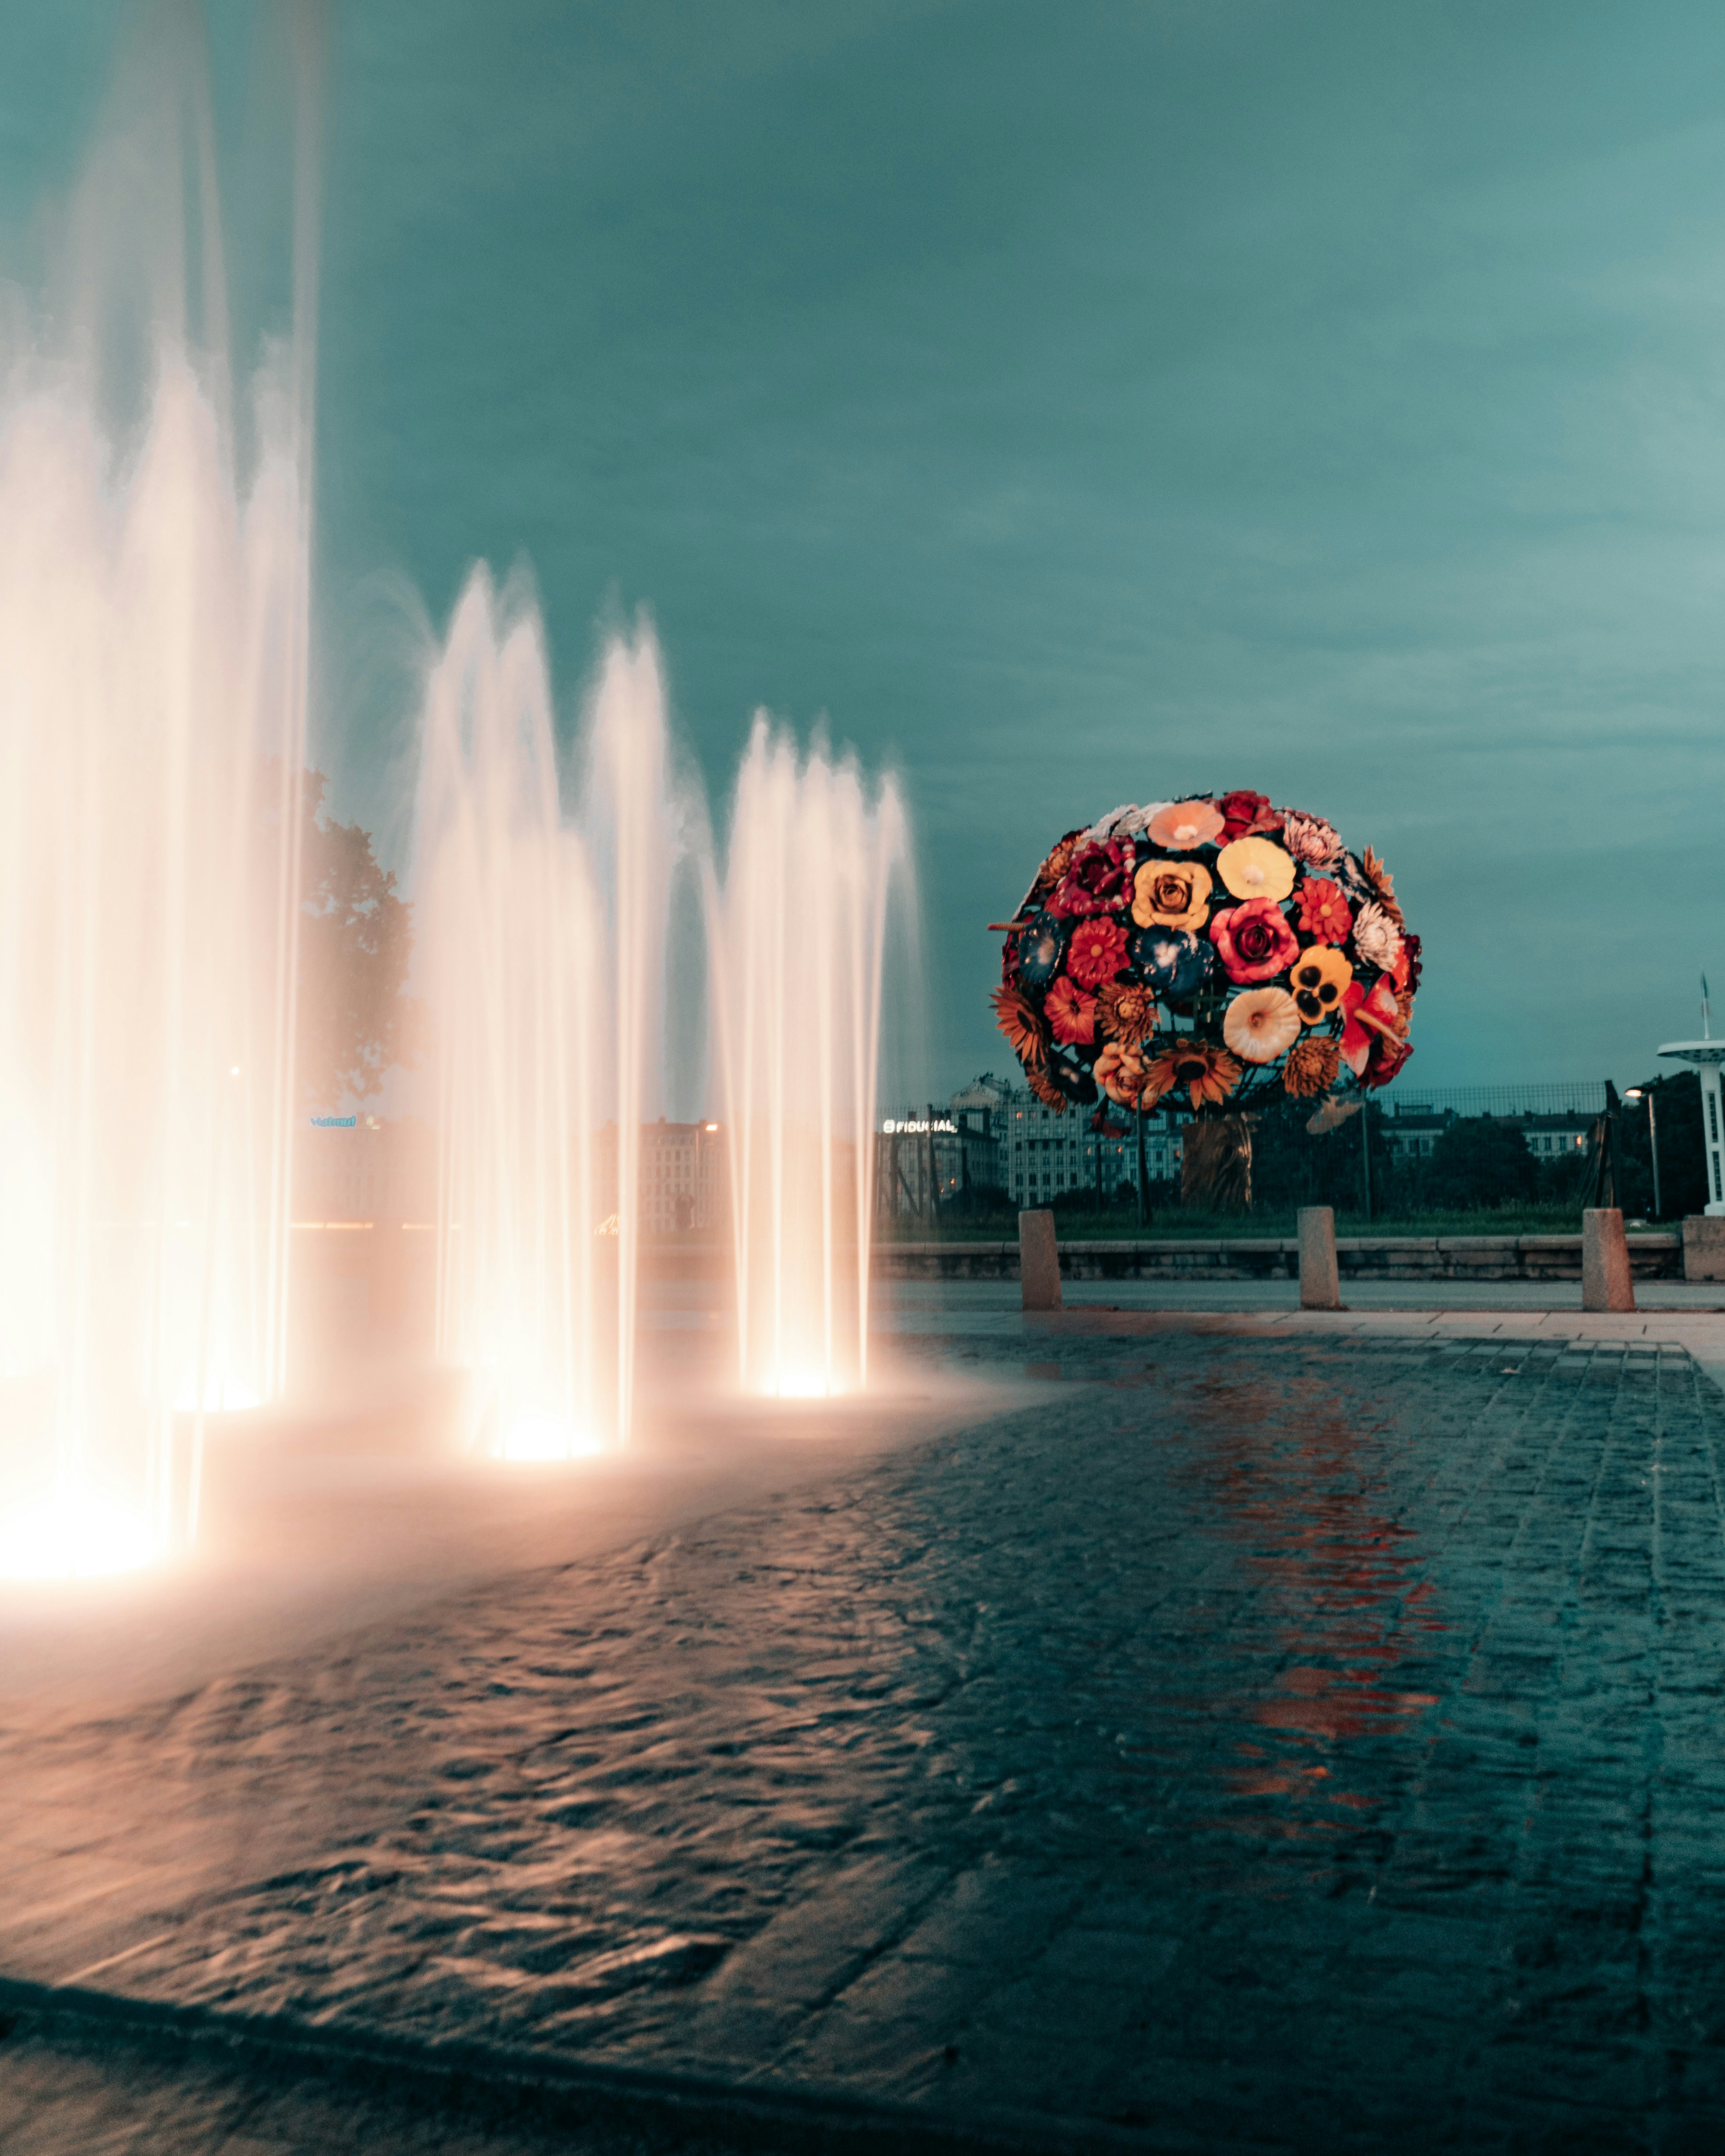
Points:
(1707, 1057)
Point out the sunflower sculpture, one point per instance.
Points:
(1199, 954)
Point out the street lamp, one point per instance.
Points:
(1636, 1093)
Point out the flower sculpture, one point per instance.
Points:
(1197, 952)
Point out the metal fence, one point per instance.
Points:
(1580, 1096)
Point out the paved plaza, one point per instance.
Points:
(1223, 1741)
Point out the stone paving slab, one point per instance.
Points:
(1688, 1316)
(1698, 1334)
(1278, 1740)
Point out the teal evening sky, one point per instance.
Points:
(1077, 403)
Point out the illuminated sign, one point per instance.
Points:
(896, 1130)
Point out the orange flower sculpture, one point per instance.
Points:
(1196, 953)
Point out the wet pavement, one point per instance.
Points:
(1269, 1743)
(56, 2100)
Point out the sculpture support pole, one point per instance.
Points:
(1144, 1208)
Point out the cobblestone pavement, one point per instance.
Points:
(1256, 1743)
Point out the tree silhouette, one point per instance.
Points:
(356, 1018)
(1480, 1161)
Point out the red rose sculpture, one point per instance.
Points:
(1246, 815)
(1253, 941)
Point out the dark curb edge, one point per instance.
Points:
(507, 2084)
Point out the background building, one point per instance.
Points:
(683, 1178)
(360, 1168)
(1046, 1154)
(995, 1147)
(353, 1169)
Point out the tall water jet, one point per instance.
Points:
(539, 949)
(507, 957)
(798, 934)
(639, 834)
(153, 630)
(151, 730)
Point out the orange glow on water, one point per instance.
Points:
(803, 1383)
(544, 1436)
(77, 1535)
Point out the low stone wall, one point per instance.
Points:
(1655, 1253)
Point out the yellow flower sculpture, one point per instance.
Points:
(1318, 977)
(1172, 894)
(1256, 868)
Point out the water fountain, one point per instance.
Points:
(152, 722)
(154, 598)
(506, 921)
(540, 952)
(639, 824)
(541, 929)
(799, 938)
(154, 640)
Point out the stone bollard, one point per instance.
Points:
(1320, 1283)
(1703, 1248)
(1606, 1283)
(1039, 1260)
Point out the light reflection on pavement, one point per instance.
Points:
(1228, 1738)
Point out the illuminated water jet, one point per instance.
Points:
(542, 911)
(539, 949)
(799, 932)
(154, 582)
(545, 1436)
(503, 953)
(797, 1384)
(77, 1534)
(151, 729)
